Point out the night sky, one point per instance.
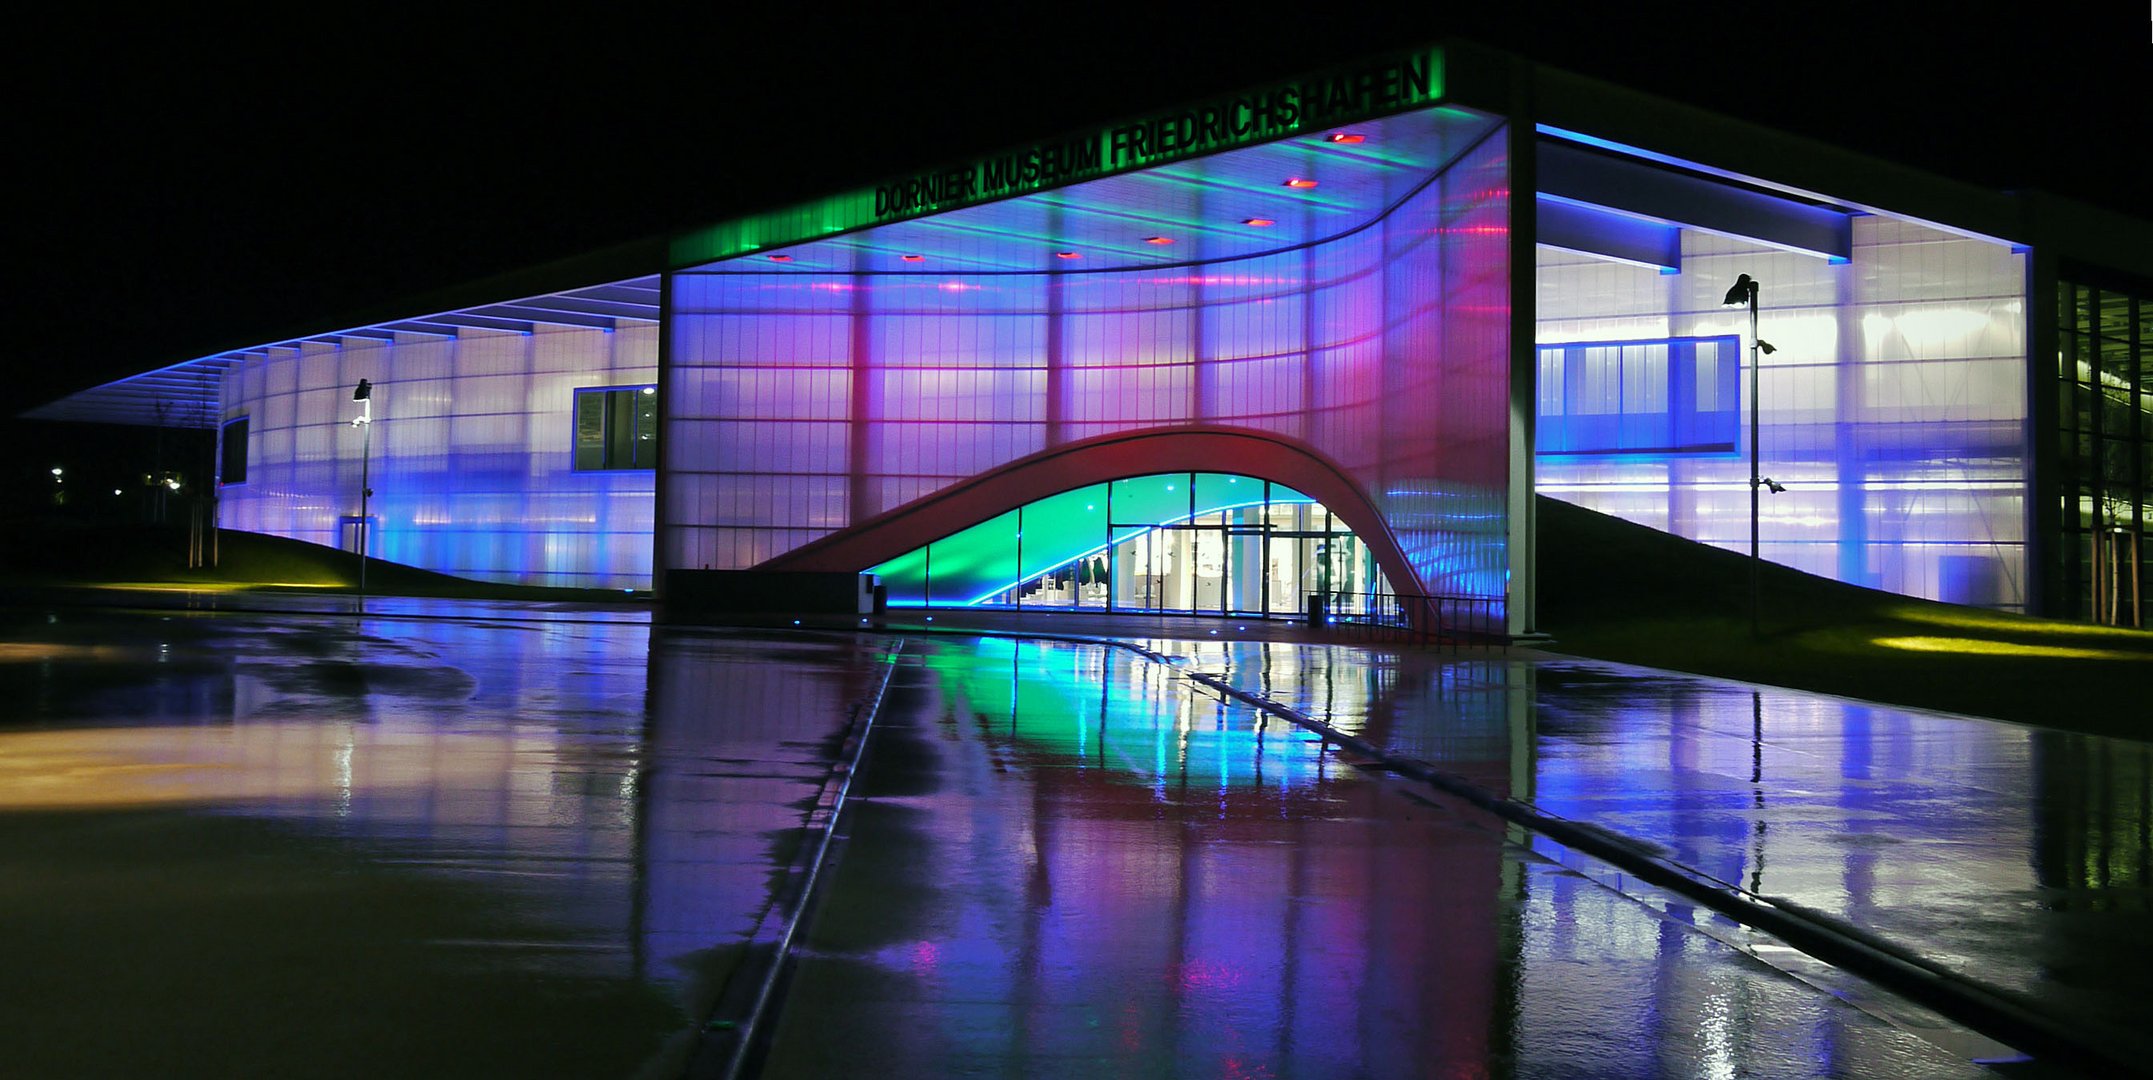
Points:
(193, 185)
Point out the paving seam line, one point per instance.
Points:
(1963, 999)
(745, 1034)
(1956, 996)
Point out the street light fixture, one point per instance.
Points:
(1745, 292)
(364, 395)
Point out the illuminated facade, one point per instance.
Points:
(1318, 289)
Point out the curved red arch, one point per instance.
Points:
(1258, 454)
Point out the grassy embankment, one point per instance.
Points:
(1617, 591)
(51, 553)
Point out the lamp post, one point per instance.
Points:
(1745, 292)
(364, 395)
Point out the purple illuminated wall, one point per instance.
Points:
(473, 452)
(800, 403)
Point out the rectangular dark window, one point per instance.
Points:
(1669, 396)
(617, 428)
(232, 453)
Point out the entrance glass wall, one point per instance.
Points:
(1204, 543)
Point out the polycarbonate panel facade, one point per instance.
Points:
(472, 460)
(799, 403)
(1894, 410)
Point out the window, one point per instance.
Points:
(232, 453)
(1672, 396)
(617, 428)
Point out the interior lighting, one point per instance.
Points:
(780, 258)
(1067, 255)
(1346, 137)
(1300, 182)
(1158, 239)
(913, 258)
(1259, 222)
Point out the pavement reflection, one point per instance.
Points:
(1068, 861)
(2014, 856)
(426, 842)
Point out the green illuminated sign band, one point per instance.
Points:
(1374, 88)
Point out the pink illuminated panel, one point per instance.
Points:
(802, 402)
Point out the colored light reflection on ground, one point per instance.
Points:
(1084, 919)
(1130, 719)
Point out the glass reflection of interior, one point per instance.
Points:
(1207, 543)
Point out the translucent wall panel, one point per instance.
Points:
(803, 402)
(472, 461)
(1893, 410)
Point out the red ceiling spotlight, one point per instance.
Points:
(1259, 222)
(1300, 182)
(913, 258)
(1158, 239)
(1068, 255)
(1347, 137)
(780, 258)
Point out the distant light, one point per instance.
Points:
(1214, 631)
(1347, 137)
(115, 491)
(1091, 506)
(913, 258)
(1158, 239)
(1259, 222)
(796, 622)
(1068, 255)
(56, 470)
(648, 390)
(1169, 487)
(930, 618)
(1300, 182)
(780, 258)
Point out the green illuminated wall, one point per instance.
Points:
(1054, 534)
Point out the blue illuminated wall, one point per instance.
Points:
(801, 402)
(1894, 409)
(473, 452)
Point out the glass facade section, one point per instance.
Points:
(801, 402)
(1197, 542)
(2104, 345)
(232, 452)
(1610, 397)
(1893, 410)
(617, 428)
(474, 452)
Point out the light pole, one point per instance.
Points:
(364, 395)
(1745, 291)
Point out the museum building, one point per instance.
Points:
(1324, 336)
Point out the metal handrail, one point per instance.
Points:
(1453, 621)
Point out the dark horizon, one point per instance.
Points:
(221, 185)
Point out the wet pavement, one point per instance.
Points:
(457, 840)
(2010, 856)
(476, 838)
(1067, 861)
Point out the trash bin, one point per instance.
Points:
(1319, 609)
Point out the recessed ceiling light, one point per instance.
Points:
(1259, 222)
(1158, 239)
(780, 258)
(1300, 182)
(1347, 137)
(912, 258)
(1067, 255)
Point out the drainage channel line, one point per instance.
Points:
(1962, 999)
(746, 1035)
